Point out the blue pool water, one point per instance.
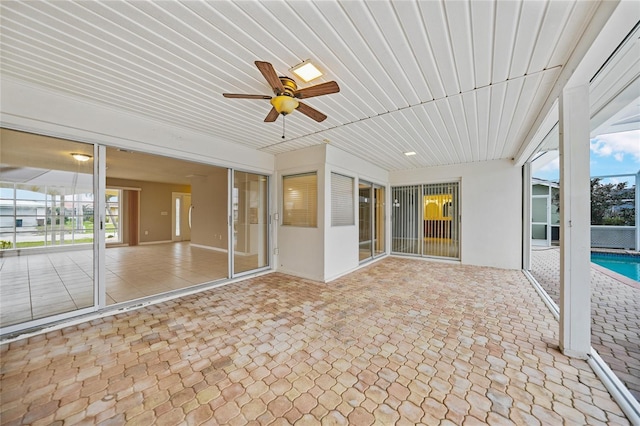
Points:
(629, 266)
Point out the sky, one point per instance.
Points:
(611, 154)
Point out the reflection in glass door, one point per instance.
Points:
(250, 222)
(47, 216)
(112, 227)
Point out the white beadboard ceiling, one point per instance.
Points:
(454, 81)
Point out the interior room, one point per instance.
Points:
(165, 225)
(193, 230)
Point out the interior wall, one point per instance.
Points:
(490, 205)
(155, 207)
(301, 249)
(209, 197)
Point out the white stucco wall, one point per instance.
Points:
(341, 242)
(325, 252)
(301, 250)
(491, 208)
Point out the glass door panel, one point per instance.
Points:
(379, 222)
(47, 218)
(540, 220)
(113, 198)
(440, 216)
(405, 219)
(365, 192)
(426, 220)
(250, 222)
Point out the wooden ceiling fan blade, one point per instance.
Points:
(270, 75)
(311, 112)
(317, 90)
(243, 96)
(272, 116)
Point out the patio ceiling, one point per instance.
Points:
(455, 81)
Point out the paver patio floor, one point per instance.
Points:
(401, 341)
(615, 315)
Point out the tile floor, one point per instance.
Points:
(615, 315)
(401, 341)
(40, 285)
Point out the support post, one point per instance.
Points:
(637, 185)
(575, 236)
(526, 216)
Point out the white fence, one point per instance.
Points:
(614, 237)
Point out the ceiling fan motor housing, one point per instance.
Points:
(289, 85)
(285, 102)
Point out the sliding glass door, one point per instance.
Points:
(426, 220)
(371, 223)
(74, 239)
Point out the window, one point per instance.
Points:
(300, 200)
(113, 199)
(341, 200)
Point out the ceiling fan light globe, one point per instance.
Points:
(284, 104)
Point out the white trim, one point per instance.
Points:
(147, 243)
(79, 318)
(628, 404)
(202, 246)
(124, 188)
(619, 392)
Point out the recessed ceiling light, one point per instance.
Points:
(81, 157)
(409, 153)
(306, 71)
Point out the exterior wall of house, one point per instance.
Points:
(300, 249)
(490, 205)
(341, 242)
(30, 110)
(325, 252)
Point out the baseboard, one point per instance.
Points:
(148, 243)
(202, 246)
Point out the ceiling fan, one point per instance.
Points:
(287, 94)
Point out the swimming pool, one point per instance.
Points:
(627, 265)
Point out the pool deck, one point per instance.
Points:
(615, 313)
(400, 341)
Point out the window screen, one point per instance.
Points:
(300, 200)
(341, 200)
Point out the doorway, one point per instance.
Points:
(371, 228)
(181, 216)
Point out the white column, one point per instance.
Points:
(575, 237)
(637, 248)
(99, 206)
(526, 216)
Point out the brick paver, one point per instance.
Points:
(615, 315)
(401, 341)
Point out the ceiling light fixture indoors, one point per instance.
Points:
(81, 157)
(409, 153)
(306, 71)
